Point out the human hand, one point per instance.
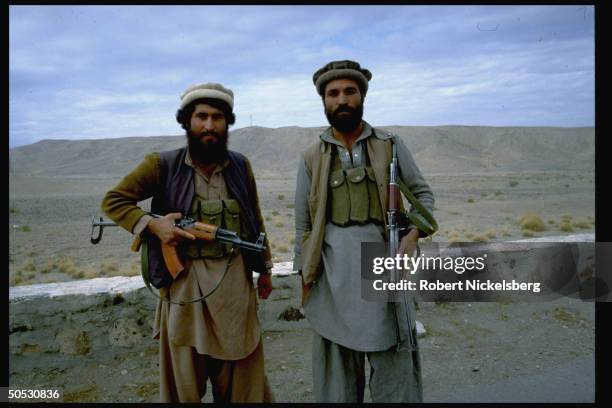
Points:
(166, 231)
(264, 285)
(409, 242)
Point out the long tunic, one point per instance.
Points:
(225, 325)
(335, 308)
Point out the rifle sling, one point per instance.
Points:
(423, 219)
(145, 275)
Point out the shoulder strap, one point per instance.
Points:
(422, 218)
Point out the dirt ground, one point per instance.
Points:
(50, 219)
(465, 344)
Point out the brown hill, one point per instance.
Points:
(274, 151)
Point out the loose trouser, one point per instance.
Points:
(183, 375)
(339, 373)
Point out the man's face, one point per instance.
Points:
(343, 104)
(207, 134)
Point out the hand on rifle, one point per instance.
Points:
(409, 242)
(264, 285)
(166, 231)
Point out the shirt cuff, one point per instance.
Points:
(141, 225)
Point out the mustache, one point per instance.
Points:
(210, 133)
(345, 109)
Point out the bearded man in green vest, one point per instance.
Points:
(218, 338)
(340, 201)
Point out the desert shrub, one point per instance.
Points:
(513, 183)
(27, 266)
(470, 200)
(551, 221)
(454, 238)
(279, 224)
(282, 248)
(483, 194)
(498, 193)
(290, 206)
(528, 233)
(490, 233)
(566, 227)
(506, 231)
(13, 210)
(479, 238)
(268, 218)
(469, 234)
(532, 222)
(24, 228)
(109, 267)
(280, 196)
(582, 224)
(275, 213)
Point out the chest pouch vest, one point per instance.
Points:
(222, 213)
(353, 195)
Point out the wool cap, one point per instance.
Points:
(341, 69)
(208, 90)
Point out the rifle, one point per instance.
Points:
(422, 219)
(394, 229)
(206, 232)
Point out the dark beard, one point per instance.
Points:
(207, 153)
(345, 124)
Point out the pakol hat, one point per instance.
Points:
(208, 90)
(341, 69)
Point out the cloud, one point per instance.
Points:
(110, 71)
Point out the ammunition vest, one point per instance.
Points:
(353, 195)
(221, 213)
(176, 193)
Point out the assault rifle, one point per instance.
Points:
(205, 232)
(422, 219)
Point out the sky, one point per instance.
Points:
(96, 72)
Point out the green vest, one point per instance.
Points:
(353, 196)
(221, 213)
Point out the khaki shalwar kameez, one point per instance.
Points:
(218, 338)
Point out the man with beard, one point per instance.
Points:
(340, 201)
(218, 338)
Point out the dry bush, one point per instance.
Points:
(109, 267)
(279, 224)
(290, 206)
(282, 248)
(454, 238)
(582, 224)
(275, 213)
(551, 221)
(268, 218)
(479, 238)
(491, 233)
(528, 233)
(470, 200)
(27, 266)
(469, 234)
(533, 222)
(280, 196)
(506, 231)
(565, 226)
